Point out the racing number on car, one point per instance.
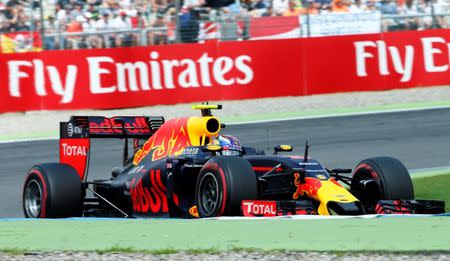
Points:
(152, 198)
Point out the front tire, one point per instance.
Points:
(222, 184)
(390, 179)
(52, 190)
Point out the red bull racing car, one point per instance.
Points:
(184, 167)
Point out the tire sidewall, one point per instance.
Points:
(237, 181)
(218, 173)
(392, 177)
(36, 175)
(61, 190)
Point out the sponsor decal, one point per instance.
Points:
(151, 198)
(310, 187)
(193, 211)
(70, 129)
(321, 177)
(154, 74)
(137, 125)
(190, 151)
(388, 57)
(145, 76)
(259, 208)
(73, 150)
(286, 147)
(214, 147)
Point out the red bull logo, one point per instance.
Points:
(152, 198)
(117, 125)
(193, 211)
(310, 187)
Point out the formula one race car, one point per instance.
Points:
(184, 168)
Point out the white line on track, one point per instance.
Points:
(337, 115)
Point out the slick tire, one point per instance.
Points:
(52, 190)
(391, 177)
(222, 184)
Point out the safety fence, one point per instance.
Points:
(226, 28)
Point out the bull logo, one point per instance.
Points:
(310, 187)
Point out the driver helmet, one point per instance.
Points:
(230, 145)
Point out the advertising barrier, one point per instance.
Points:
(170, 74)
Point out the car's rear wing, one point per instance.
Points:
(115, 127)
(75, 135)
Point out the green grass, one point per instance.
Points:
(167, 236)
(436, 187)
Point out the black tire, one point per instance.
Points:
(234, 181)
(52, 190)
(392, 181)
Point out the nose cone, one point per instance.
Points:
(345, 208)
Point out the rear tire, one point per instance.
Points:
(222, 184)
(52, 190)
(392, 181)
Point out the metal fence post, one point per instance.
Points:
(42, 29)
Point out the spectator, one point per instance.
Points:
(51, 26)
(76, 12)
(339, 6)
(280, 6)
(189, 26)
(356, 7)
(75, 26)
(370, 6)
(269, 12)
(89, 26)
(388, 7)
(122, 22)
(313, 7)
(159, 36)
(293, 10)
(60, 13)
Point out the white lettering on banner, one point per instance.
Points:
(189, 77)
(65, 90)
(73, 150)
(15, 75)
(129, 69)
(136, 76)
(365, 52)
(95, 71)
(429, 51)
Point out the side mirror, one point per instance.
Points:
(281, 148)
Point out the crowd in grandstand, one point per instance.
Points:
(158, 16)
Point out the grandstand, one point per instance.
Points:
(70, 24)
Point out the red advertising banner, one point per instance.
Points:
(169, 74)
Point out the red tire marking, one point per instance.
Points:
(216, 167)
(368, 168)
(44, 196)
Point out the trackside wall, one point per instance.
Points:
(169, 74)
